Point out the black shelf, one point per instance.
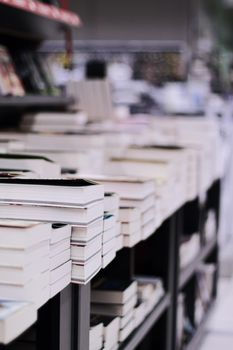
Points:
(189, 271)
(34, 101)
(138, 335)
(21, 22)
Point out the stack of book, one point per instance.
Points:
(54, 121)
(111, 207)
(131, 225)
(150, 292)
(24, 261)
(105, 328)
(75, 202)
(134, 192)
(60, 258)
(41, 166)
(117, 299)
(109, 239)
(15, 318)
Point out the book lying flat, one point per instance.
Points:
(68, 214)
(59, 259)
(114, 309)
(109, 246)
(109, 221)
(129, 214)
(82, 273)
(113, 291)
(148, 215)
(142, 204)
(129, 228)
(108, 258)
(60, 272)
(40, 165)
(111, 202)
(109, 234)
(59, 247)
(51, 191)
(59, 285)
(81, 253)
(60, 232)
(22, 234)
(85, 233)
(126, 186)
(130, 241)
(15, 318)
(125, 332)
(96, 328)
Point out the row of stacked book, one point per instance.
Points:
(71, 199)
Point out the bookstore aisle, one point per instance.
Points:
(112, 193)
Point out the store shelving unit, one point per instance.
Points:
(63, 322)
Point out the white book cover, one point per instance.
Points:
(82, 273)
(129, 214)
(109, 246)
(96, 328)
(108, 258)
(41, 166)
(125, 319)
(109, 234)
(114, 309)
(85, 233)
(59, 285)
(126, 187)
(59, 259)
(130, 241)
(22, 257)
(125, 332)
(143, 204)
(29, 291)
(148, 229)
(109, 221)
(15, 318)
(113, 291)
(23, 234)
(60, 272)
(59, 247)
(51, 191)
(131, 227)
(73, 215)
(60, 232)
(111, 202)
(82, 253)
(119, 242)
(148, 215)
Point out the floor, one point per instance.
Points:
(219, 330)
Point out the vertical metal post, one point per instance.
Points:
(81, 301)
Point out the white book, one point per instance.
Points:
(109, 234)
(130, 241)
(108, 258)
(119, 242)
(85, 233)
(109, 221)
(131, 227)
(22, 292)
(148, 215)
(129, 214)
(126, 187)
(139, 313)
(109, 246)
(125, 319)
(59, 259)
(96, 344)
(44, 119)
(148, 229)
(113, 291)
(45, 263)
(60, 271)
(43, 297)
(15, 318)
(96, 328)
(125, 332)
(20, 275)
(114, 309)
(83, 273)
(111, 327)
(51, 191)
(22, 257)
(59, 247)
(76, 215)
(60, 232)
(10, 144)
(22, 234)
(59, 285)
(142, 204)
(64, 141)
(111, 202)
(81, 252)
(40, 165)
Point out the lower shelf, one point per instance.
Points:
(195, 341)
(137, 336)
(34, 101)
